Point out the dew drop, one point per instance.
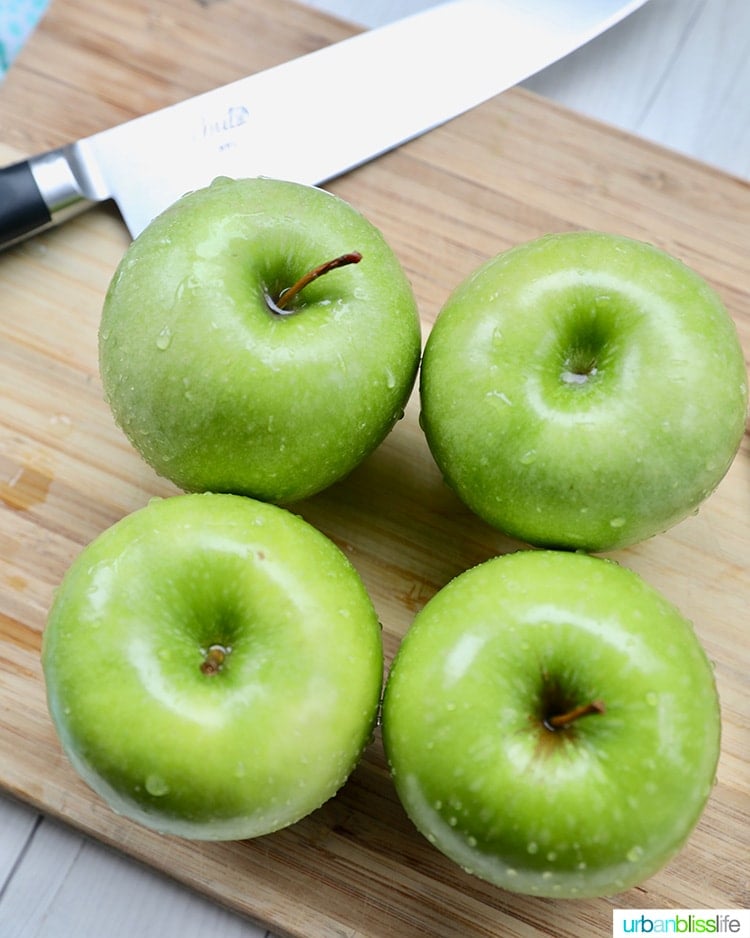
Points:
(575, 377)
(532, 847)
(164, 338)
(634, 854)
(156, 786)
(61, 423)
(528, 457)
(618, 522)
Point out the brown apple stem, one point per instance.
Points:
(287, 295)
(213, 660)
(561, 720)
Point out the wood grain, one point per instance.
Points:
(506, 172)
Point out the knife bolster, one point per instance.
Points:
(38, 193)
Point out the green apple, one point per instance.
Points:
(552, 724)
(583, 391)
(213, 666)
(233, 365)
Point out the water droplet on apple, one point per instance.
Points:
(575, 377)
(390, 379)
(552, 856)
(156, 786)
(528, 457)
(501, 395)
(634, 854)
(61, 423)
(532, 847)
(618, 522)
(453, 820)
(471, 841)
(164, 339)
(582, 865)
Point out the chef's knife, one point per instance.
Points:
(307, 120)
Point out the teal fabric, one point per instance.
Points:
(17, 21)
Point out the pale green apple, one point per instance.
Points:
(552, 724)
(584, 391)
(213, 666)
(219, 387)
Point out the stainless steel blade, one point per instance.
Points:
(325, 113)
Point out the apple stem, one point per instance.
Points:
(213, 660)
(281, 303)
(561, 720)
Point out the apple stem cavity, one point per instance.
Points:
(561, 720)
(281, 303)
(213, 660)
(579, 368)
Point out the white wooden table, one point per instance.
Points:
(676, 72)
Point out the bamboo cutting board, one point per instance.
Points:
(511, 170)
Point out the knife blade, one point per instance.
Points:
(307, 120)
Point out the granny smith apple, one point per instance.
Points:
(552, 724)
(583, 391)
(259, 337)
(213, 666)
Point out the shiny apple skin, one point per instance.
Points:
(220, 393)
(584, 391)
(254, 746)
(588, 810)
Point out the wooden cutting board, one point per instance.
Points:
(504, 173)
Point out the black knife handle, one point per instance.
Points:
(23, 211)
(42, 191)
